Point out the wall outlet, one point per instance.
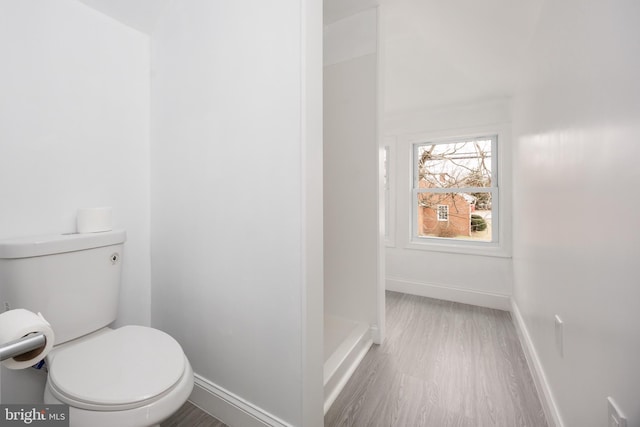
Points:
(615, 418)
(559, 335)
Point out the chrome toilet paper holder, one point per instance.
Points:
(22, 345)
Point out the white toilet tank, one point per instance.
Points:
(72, 279)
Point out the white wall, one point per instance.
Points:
(576, 235)
(351, 168)
(232, 152)
(313, 232)
(139, 14)
(468, 278)
(335, 10)
(74, 121)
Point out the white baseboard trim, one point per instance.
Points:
(535, 366)
(343, 363)
(465, 296)
(375, 334)
(230, 408)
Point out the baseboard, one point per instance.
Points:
(343, 363)
(535, 366)
(375, 334)
(230, 408)
(465, 296)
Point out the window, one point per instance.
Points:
(387, 190)
(443, 212)
(455, 191)
(387, 153)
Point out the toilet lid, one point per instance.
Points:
(124, 366)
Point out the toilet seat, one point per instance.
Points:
(117, 370)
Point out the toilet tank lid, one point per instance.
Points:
(32, 246)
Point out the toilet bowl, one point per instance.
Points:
(132, 376)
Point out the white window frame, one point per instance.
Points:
(389, 146)
(501, 214)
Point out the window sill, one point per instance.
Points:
(463, 248)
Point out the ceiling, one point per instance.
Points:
(434, 52)
(452, 52)
(139, 14)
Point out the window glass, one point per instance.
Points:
(455, 189)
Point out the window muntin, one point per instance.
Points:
(457, 176)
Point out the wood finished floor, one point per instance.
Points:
(442, 364)
(190, 415)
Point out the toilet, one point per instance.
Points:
(131, 376)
